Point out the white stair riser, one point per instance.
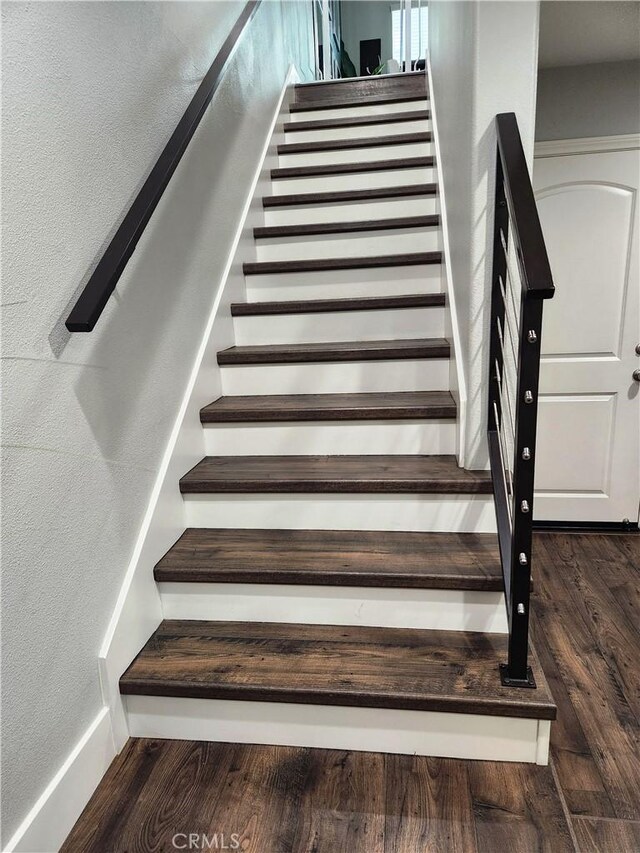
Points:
(337, 377)
(354, 181)
(360, 131)
(359, 244)
(426, 513)
(329, 438)
(466, 736)
(369, 110)
(356, 155)
(437, 609)
(392, 324)
(351, 211)
(343, 284)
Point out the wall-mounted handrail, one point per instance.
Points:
(517, 292)
(101, 284)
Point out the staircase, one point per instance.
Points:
(339, 584)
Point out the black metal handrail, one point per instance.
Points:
(521, 279)
(101, 284)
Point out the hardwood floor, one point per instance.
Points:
(288, 800)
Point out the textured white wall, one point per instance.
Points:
(483, 61)
(91, 92)
(602, 99)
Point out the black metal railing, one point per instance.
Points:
(91, 302)
(521, 279)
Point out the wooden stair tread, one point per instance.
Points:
(357, 142)
(398, 82)
(266, 232)
(340, 102)
(349, 168)
(398, 474)
(335, 351)
(320, 306)
(324, 264)
(356, 121)
(423, 670)
(467, 561)
(311, 407)
(405, 191)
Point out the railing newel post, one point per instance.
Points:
(515, 217)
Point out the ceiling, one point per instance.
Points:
(575, 32)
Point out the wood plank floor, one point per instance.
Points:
(288, 800)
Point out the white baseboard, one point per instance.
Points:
(59, 806)
(470, 736)
(457, 380)
(378, 607)
(138, 610)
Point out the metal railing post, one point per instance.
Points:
(513, 414)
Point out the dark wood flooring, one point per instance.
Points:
(397, 473)
(338, 351)
(379, 405)
(467, 561)
(287, 800)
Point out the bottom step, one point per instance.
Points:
(390, 690)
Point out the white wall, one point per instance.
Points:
(602, 99)
(91, 92)
(483, 59)
(366, 19)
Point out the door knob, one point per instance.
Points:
(636, 374)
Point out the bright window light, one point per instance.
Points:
(418, 33)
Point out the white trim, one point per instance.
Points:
(59, 806)
(300, 604)
(346, 377)
(457, 380)
(544, 738)
(470, 736)
(138, 610)
(587, 145)
(331, 438)
(426, 513)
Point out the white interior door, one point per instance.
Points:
(588, 458)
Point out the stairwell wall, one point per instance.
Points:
(91, 93)
(483, 59)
